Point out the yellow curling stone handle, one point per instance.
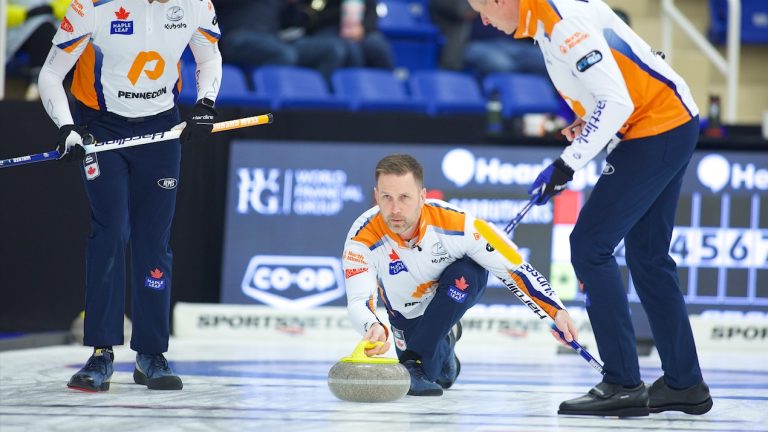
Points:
(358, 355)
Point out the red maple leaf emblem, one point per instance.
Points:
(461, 283)
(67, 26)
(122, 14)
(91, 170)
(393, 256)
(156, 273)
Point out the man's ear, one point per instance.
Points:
(375, 196)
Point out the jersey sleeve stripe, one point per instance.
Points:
(101, 2)
(212, 36)
(548, 14)
(554, 8)
(444, 219)
(383, 296)
(448, 232)
(71, 45)
(179, 83)
(617, 43)
(99, 61)
(544, 303)
(83, 88)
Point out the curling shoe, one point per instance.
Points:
(420, 385)
(95, 375)
(692, 400)
(153, 371)
(610, 400)
(452, 367)
(450, 372)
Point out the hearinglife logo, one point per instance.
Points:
(461, 167)
(716, 172)
(293, 282)
(274, 191)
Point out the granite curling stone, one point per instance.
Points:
(359, 378)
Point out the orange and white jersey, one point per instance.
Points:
(610, 77)
(378, 263)
(129, 51)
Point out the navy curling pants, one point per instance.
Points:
(636, 201)
(426, 335)
(132, 197)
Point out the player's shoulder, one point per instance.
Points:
(367, 228)
(444, 216)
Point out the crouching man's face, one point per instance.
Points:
(400, 198)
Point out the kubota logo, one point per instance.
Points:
(140, 65)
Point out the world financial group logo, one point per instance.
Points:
(293, 282)
(276, 191)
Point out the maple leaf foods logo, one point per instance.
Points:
(155, 280)
(396, 265)
(122, 26)
(457, 291)
(67, 26)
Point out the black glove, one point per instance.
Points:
(551, 181)
(71, 141)
(199, 122)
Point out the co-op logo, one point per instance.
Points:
(716, 172)
(461, 167)
(293, 282)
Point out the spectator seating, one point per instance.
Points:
(234, 89)
(522, 93)
(754, 21)
(447, 92)
(374, 90)
(295, 87)
(415, 41)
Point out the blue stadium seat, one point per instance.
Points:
(234, 90)
(374, 90)
(295, 87)
(754, 21)
(447, 92)
(415, 41)
(522, 93)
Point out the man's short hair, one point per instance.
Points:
(400, 164)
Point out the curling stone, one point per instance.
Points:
(359, 378)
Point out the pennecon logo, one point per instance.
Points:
(293, 282)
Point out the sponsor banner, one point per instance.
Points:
(287, 218)
(496, 325)
(196, 320)
(731, 331)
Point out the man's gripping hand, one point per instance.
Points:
(71, 141)
(375, 334)
(551, 181)
(565, 324)
(198, 124)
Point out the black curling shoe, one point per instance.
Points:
(692, 400)
(611, 400)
